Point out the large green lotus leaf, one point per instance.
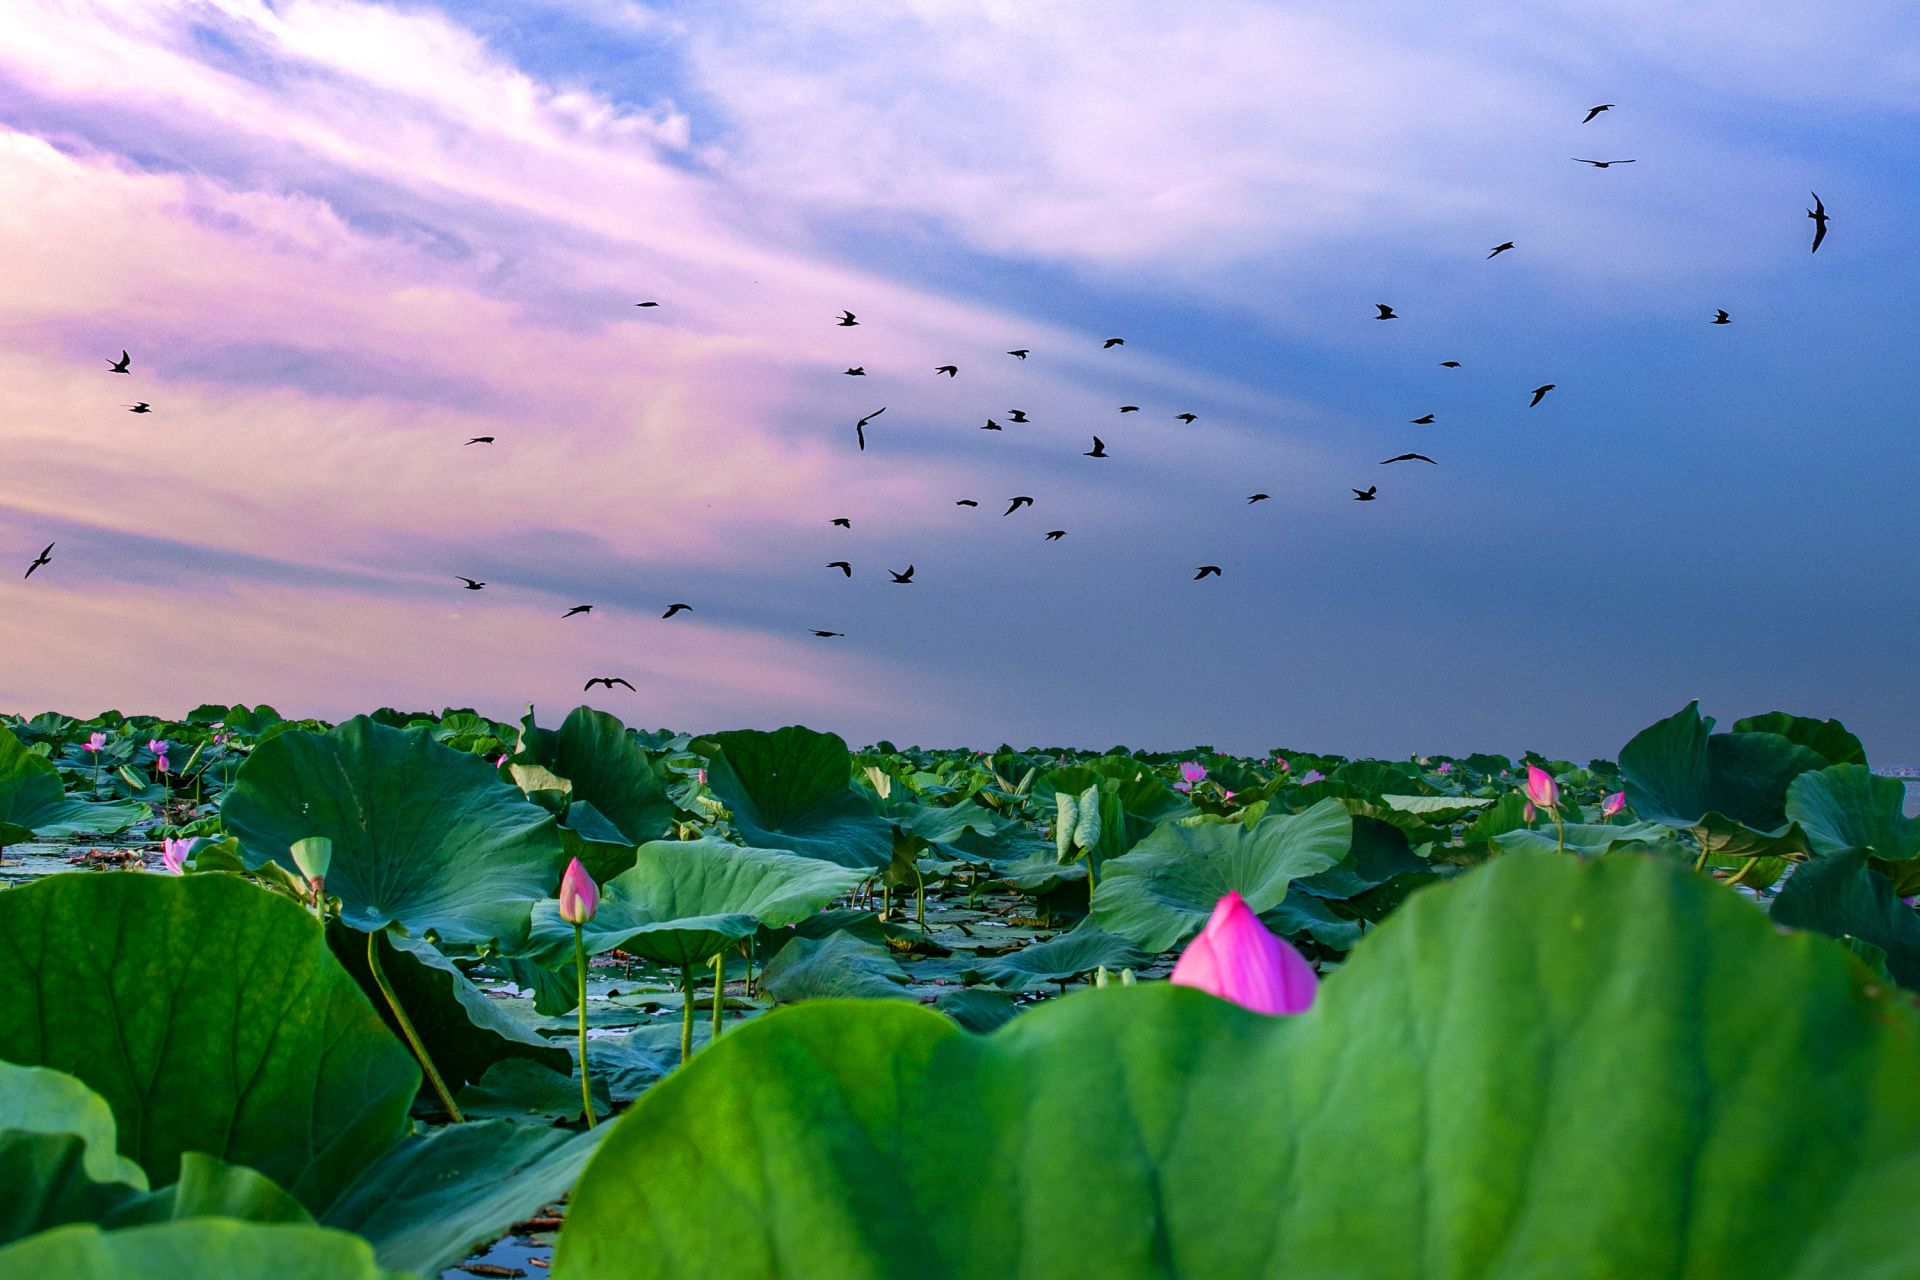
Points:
(211, 1017)
(839, 966)
(1163, 891)
(684, 901)
(464, 1031)
(34, 801)
(1548, 1068)
(1681, 774)
(435, 1198)
(1846, 807)
(195, 1249)
(1588, 839)
(792, 789)
(424, 836)
(1841, 896)
(1829, 737)
(1082, 949)
(611, 770)
(42, 1100)
(1379, 852)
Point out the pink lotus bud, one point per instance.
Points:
(1237, 958)
(579, 895)
(700, 776)
(1284, 766)
(1191, 773)
(1541, 789)
(1613, 803)
(1529, 812)
(501, 763)
(1226, 795)
(161, 764)
(1444, 767)
(95, 742)
(173, 855)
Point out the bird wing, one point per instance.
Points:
(589, 684)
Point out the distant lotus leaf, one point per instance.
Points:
(840, 966)
(1847, 807)
(606, 767)
(1829, 737)
(792, 789)
(424, 837)
(1729, 789)
(1549, 1067)
(34, 801)
(1082, 949)
(1163, 891)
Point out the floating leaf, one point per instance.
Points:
(837, 967)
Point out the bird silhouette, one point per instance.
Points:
(825, 635)
(1500, 249)
(1207, 570)
(1129, 408)
(480, 440)
(1422, 421)
(579, 608)
(1386, 312)
(472, 585)
(141, 407)
(1721, 317)
(842, 522)
(1365, 495)
(860, 427)
(1540, 393)
(1111, 343)
(646, 304)
(1020, 353)
(1188, 418)
(1818, 213)
(1099, 449)
(1449, 364)
(1257, 497)
(1601, 164)
(1408, 457)
(45, 557)
(950, 370)
(903, 578)
(966, 502)
(120, 365)
(843, 566)
(677, 608)
(1055, 535)
(1594, 111)
(846, 320)
(608, 681)
(1016, 504)
(992, 426)
(1016, 415)
(857, 371)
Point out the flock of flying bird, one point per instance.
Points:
(848, 320)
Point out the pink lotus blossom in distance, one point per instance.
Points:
(579, 895)
(159, 748)
(1191, 773)
(1284, 766)
(1541, 789)
(173, 855)
(1239, 959)
(1311, 776)
(1613, 803)
(95, 742)
(1444, 768)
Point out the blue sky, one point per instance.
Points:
(342, 237)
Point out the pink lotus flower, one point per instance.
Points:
(1528, 812)
(579, 895)
(501, 763)
(95, 742)
(159, 748)
(700, 776)
(1226, 795)
(1541, 789)
(1237, 958)
(1613, 803)
(1444, 767)
(1284, 766)
(1191, 773)
(173, 855)
(1312, 776)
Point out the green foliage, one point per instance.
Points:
(34, 802)
(792, 789)
(1728, 789)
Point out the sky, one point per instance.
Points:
(340, 238)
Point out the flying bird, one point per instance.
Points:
(1386, 312)
(141, 407)
(906, 578)
(1055, 535)
(471, 584)
(1449, 364)
(608, 681)
(1408, 457)
(1207, 570)
(1817, 213)
(1099, 449)
(1594, 111)
(1365, 495)
(992, 426)
(824, 635)
(45, 557)
(677, 608)
(1257, 497)
(120, 365)
(842, 565)
(966, 502)
(857, 371)
(846, 320)
(1188, 418)
(1500, 249)
(1601, 164)
(1016, 415)
(646, 304)
(1016, 505)
(1020, 352)
(950, 370)
(1721, 317)
(579, 608)
(1540, 393)
(843, 522)
(480, 440)
(1129, 408)
(1422, 421)
(1111, 343)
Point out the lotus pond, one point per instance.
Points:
(286, 999)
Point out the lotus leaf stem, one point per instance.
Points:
(686, 1013)
(1700, 863)
(1740, 875)
(406, 1027)
(580, 969)
(719, 986)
